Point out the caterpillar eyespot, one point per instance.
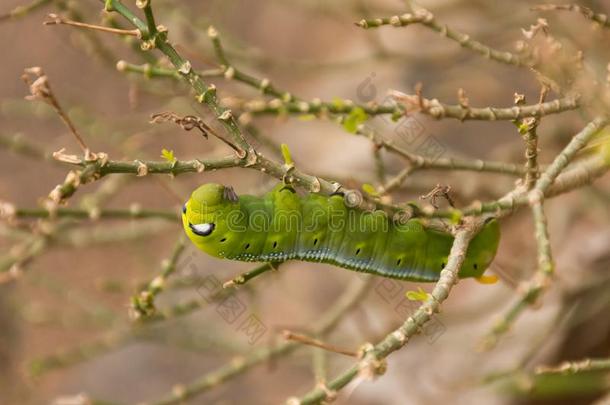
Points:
(202, 229)
(282, 226)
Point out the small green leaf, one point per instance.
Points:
(37, 367)
(370, 190)
(523, 128)
(356, 117)
(419, 295)
(338, 102)
(168, 155)
(286, 154)
(397, 115)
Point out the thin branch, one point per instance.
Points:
(232, 73)
(575, 367)
(74, 179)
(394, 182)
(12, 264)
(535, 198)
(40, 89)
(133, 212)
(54, 19)
(418, 162)
(79, 354)
(531, 156)
(21, 11)
(432, 107)
(579, 175)
(205, 94)
(438, 110)
(119, 337)
(151, 71)
(380, 167)
(352, 296)
(567, 154)
(288, 103)
(145, 167)
(589, 14)
(148, 13)
(18, 143)
(249, 275)
(528, 129)
(309, 341)
(143, 304)
(426, 18)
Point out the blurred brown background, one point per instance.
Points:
(76, 293)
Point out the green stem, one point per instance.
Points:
(249, 275)
(133, 213)
(143, 304)
(151, 71)
(575, 367)
(567, 154)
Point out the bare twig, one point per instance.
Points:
(535, 198)
(143, 304)
(439, 110)
(589, 14)
(54, 19)
(249, 275)
(307, 340)
(426, 18)
(574, 367)
(40, 89)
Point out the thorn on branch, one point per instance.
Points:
(462, 99)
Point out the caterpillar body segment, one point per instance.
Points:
(281, 225)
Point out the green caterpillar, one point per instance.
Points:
(284, 226)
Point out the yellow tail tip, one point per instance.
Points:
(487, 279)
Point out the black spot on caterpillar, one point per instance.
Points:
(282, 225)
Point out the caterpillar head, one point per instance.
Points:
(209, 216)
